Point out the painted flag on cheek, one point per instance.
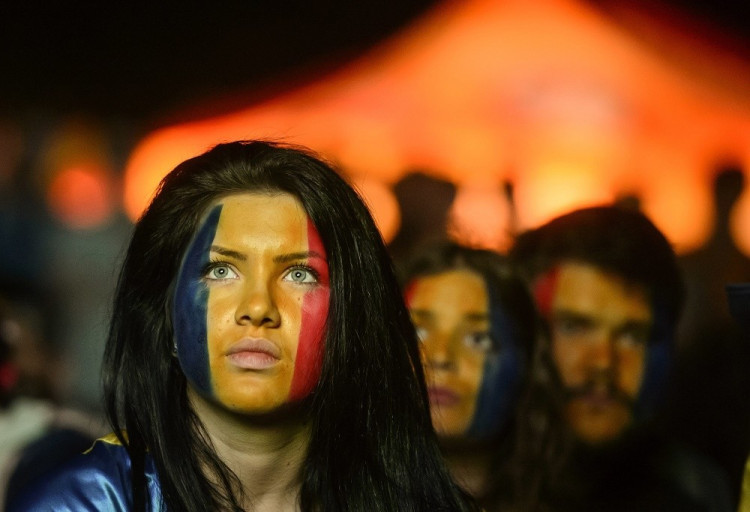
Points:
(190, 307)
(312, 329)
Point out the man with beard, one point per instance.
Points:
(607, 286)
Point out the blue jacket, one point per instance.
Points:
(96, 480)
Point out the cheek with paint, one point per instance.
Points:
(658, 361)
(190, 306)
(409, 292)
(501, 377)
(315, 303)
(544, 289)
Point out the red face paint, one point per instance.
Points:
(312, 330)
(544, 291)
(409, 292)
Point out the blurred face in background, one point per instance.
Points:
(600, 326)
(451, 313)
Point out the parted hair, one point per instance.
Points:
(372, 445)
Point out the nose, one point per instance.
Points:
(602, 354)
(257, 307)
(439, 353)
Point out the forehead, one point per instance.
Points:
(586, 289)
(458, 290)
(260, 218)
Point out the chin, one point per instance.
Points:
(600, 433)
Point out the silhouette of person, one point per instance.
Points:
(424, 202)
(708, 403)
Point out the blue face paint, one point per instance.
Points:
(656, 367)
(190, 306)
(501, 377)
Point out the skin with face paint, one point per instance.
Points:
(450, 312)
(600, 326)
(265, 285)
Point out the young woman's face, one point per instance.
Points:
(251, 303)
(451, 314)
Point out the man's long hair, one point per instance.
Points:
(372, 446)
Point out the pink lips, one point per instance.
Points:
(442, 396)
(254, 354)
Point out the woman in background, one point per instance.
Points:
(476, 324)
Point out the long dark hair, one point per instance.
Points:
(372, 445)
(626, 243)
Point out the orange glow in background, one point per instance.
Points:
(553, 96)
(76, 173)
(81, 197)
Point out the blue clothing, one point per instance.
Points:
(96, 480)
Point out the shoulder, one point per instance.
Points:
(98, 479)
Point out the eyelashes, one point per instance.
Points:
(299, 273)
(218, 271)
(296, 274)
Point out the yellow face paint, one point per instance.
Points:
(451, 314)
(600, 327)
(264, 300)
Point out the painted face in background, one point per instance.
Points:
(600, 326)
(251, 303)
(468, 380)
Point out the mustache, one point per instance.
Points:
(599, 386)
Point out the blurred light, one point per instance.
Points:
(480, 217)
(81, 197)
(679, 203)
(471, 91)
(150, 162)
(382, 204)
(557, 187)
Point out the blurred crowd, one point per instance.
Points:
(587, 368)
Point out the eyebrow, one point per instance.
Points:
(426, 313)
(282, 258)
(568, 315)
(229, 253)
(477, 317)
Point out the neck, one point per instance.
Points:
(266, 456)
(469, 465)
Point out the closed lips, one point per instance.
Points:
(254, 354)
(443, 396)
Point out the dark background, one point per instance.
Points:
(139, 64)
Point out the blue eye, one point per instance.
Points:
(422, 333)
(219, 272)
(479, 341)
(302, 275)
(633, 337)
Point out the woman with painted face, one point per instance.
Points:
(477, 326)
(259, 357)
